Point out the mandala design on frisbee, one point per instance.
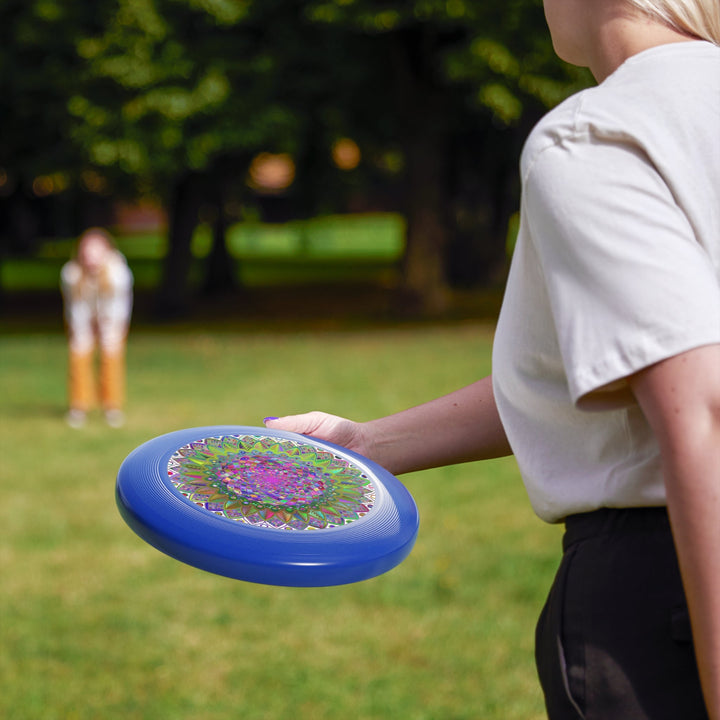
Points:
(271, 482)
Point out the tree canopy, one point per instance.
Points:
(175, 98)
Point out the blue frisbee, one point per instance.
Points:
(267, 506)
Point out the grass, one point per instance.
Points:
(96, 624)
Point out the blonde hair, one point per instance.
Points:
(699, 18)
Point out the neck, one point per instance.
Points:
(621, 36)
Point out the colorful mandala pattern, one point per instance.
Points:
(271, 482)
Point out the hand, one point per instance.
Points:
(334, 429)
(459, 427)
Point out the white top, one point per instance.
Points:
(97, 308)
(617, 266)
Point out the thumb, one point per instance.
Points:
(304, 424)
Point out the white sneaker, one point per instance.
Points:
(75, 418)
(115, 418)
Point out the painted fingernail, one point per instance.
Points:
(270, 417)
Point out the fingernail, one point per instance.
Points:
(270, 417)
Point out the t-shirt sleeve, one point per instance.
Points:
(629, 282)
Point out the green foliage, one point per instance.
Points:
(499, 53)
(185, 81)
(153, 87)
(174, 98)
(38, 69)
(97, 624)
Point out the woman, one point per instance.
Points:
(97, 293)
(606, 365)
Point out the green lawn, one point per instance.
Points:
(96, 624)
(340, 248)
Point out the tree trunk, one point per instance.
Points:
(425, 148)
(175, 295)
(424, 276)
(220, 267)
(485, 194)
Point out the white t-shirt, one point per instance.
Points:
(97, 307)
(617, 266)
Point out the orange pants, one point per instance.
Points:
(84, 392)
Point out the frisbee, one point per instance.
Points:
(266, 506)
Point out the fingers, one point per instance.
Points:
(321, 425)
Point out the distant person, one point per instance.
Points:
(97, 294)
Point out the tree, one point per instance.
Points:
(38, 68)
(175, 98)
(183, 94)
(460, 72)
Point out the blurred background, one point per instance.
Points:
(232, 145)
(317, 200)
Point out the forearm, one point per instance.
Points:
(460, 427)
(681, 400)
(693, 496)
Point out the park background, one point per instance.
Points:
(318, 200)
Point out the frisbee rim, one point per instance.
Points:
(169, 521)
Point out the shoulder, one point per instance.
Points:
(648, 105)
(116, 279)
(70, 274)
(117, 269)
(553, 130)
(595, 116)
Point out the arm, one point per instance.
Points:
(681, 400)
(459, 427)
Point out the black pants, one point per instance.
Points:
(613, 641)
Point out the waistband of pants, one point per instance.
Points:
(611, 521)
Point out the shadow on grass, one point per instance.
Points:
(35, 411)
